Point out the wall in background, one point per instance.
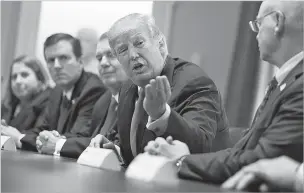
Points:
(19, 26)
(216, 36)
(10, 15)
(70, 16)
(202, 32)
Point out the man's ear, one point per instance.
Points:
(80, 61)
(162, 46)
(280, 21)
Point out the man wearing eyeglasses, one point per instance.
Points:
(277, 128)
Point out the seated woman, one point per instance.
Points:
(26, 94)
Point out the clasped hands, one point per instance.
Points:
(46, 141)
(172, 149)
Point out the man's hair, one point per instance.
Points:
(55, 38)
(145, 20)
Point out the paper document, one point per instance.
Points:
(7, 143)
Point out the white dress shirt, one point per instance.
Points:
(287, 67)
(298, 185)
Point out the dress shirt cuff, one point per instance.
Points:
(118, 149)
(19, 140)
(20, 137)
(298, 185)
(179, 163)
(159, 126)
(58, 147)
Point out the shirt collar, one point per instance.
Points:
(116, 97)
(68, 94)
(138, 89)
(288, 66)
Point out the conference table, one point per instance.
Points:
(23, 171)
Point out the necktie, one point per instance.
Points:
(64, 112)
(136, 118)
(271, 87)
(66, 103)
(111, 117)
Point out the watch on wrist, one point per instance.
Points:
(179, 162)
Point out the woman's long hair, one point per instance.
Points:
(9, 100)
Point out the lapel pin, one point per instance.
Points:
(282, 86)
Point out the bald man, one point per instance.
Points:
(277, 128)
(88, 38)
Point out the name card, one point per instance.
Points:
(99, 158)
(7, 143)
(150, 168)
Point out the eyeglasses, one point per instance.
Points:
(255, 25)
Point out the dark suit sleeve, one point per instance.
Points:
(73, 147)
(194, 118)
(82, 125)
(29, 140)
(114, 136)
(284, 136)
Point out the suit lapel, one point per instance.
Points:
(291, 77)
(74, 99)
(127, 98)
(168, 72)
(169, 69)
(101, 109)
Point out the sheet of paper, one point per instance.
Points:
(7, 143)
(100, 158)
(148, 163)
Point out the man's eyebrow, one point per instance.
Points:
(51, 57)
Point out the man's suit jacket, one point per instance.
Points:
(197, 114)
(277, 131)
(28, 117)
(78, 121)
(74, 146)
